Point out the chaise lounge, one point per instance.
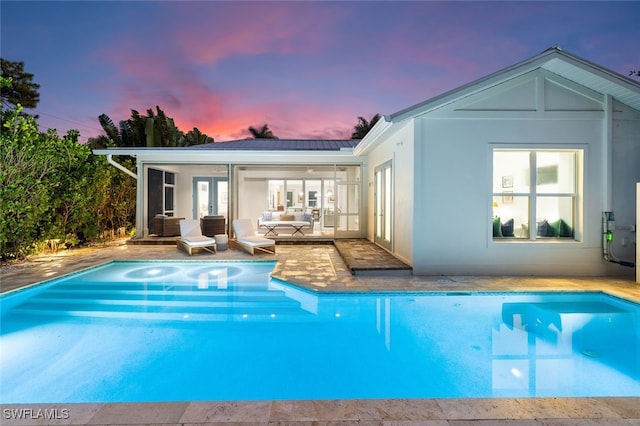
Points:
(191, 237)
(247, 239)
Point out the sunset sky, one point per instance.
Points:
(307, 69)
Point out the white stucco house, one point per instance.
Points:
(530, 170)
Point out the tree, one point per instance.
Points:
(262, 133)
(634, 73)
(196, 137)
(155, 129)
(22, 90)
(361, 129)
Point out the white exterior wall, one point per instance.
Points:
(452, 224)
(399, 149)
(626, 172)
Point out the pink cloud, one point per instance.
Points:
(163, 72)
(224, 30)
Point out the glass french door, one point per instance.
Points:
(347, 211)
(210, 196)
(382, 205)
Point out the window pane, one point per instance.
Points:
(169, 178)
(168, 198)
(513, 213)
(295, 195)
(276, 199)
(554, 216)
(511, 171)
(555, 172)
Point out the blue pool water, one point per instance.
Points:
(195, 331)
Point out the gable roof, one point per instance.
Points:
(281, 145)
(554, 60)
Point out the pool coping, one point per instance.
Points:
(434, 412)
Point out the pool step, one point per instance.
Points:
(207, 305)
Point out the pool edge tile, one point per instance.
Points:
(242, 412)
(62, 413)
(139, 413)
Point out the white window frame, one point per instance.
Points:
(576, 195)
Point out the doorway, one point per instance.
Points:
(382, 205)
(210, 196)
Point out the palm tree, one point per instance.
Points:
(361, 129)
(262, 133)
(196, 137)
(119, 136)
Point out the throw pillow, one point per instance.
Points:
(562, 229)
(286, 217)
(497, 228)
(308, 217)
(507, 228)
(267, 216)
(545, 229)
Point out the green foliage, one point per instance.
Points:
(263, 132)
(363, 127)
(54, 192)
(23, 91)
(25, 165)
(155, 129)
(196, 137)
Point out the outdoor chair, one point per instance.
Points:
(191, 237)
(247, 239)
(164, 226)
(213, 225)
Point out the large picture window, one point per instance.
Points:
(535, 194)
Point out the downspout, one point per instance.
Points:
(120, 167)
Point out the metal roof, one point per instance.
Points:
(281, 145)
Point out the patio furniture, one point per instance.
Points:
(222, 242)
(247, 239)
(275, 222)
(191, 237)
(166, 226)
(213, 225)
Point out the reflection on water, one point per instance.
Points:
(226, 331)
(540, 345)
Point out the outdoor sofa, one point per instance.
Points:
(275, 222)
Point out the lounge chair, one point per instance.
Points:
(191, 237)
(247, 239)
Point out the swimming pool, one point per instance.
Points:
(196, 331)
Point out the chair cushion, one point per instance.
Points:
(190, 228)
(199, 241)
(256, 241)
